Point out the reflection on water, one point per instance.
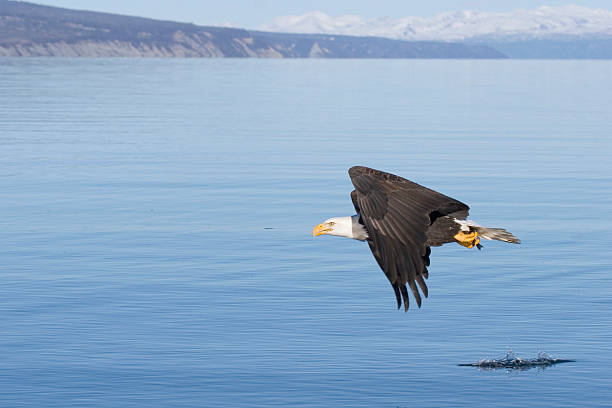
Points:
(156, 220)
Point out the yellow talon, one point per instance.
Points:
(468, 240)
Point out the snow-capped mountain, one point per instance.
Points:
(542, 23)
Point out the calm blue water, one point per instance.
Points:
(156, 220)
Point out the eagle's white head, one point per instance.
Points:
(348, 227)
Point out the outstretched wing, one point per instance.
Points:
(397, 214)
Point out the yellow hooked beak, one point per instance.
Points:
(321, 229)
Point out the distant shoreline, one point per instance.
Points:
(31, 30)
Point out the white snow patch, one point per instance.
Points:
(543, 22)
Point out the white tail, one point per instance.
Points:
(498, 234)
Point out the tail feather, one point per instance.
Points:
(498, 234)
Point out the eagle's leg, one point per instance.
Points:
(468, 239)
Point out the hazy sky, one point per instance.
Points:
(250, 14)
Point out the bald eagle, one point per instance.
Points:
(401, 220)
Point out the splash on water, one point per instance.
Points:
(512, 362)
